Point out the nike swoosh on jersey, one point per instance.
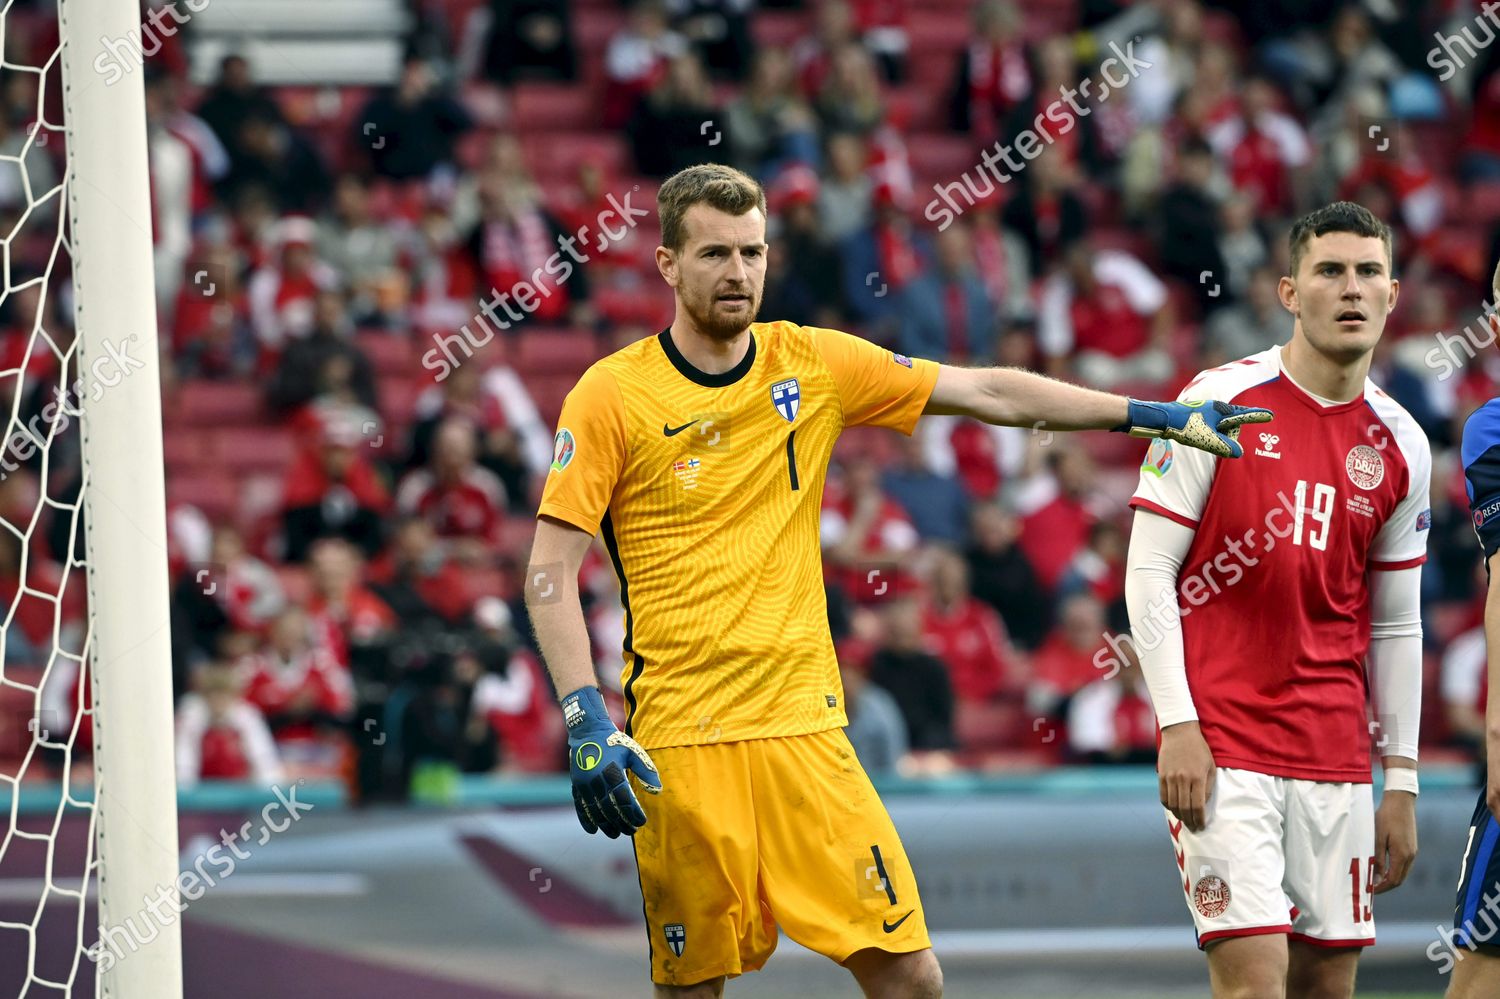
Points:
(891, 927)
(674, 431)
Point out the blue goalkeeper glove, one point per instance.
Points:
(599, 758)
(1209, 425)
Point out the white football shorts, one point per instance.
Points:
(1280, 855)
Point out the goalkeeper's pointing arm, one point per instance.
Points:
(1013, 397)
(599, 754)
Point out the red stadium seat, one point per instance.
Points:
(389, 354)
(1481, 202)
(185, 448)
(253, 449)
(16, 709)
(592, 28)
(939, 157)
(553, 107)
(205, 403)
(398, 399)
(212, 492)
(989, 725)
(939, 30)
(605, 149)
(778, 28)
(552, 352)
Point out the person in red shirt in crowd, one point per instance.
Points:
(865, 533)
(966, 634)
(993, 72)
(882, 29)
(1111, 720)
(222, 736)
(1265, 149)
(53, 603)
(1064, 664)
(1105, 318)
(514, 443)
(282, 293)
(518, 254)
(513, 696)
(1056, 519)
(248, 590)
(298, 682)
(1047, 212)
(347, 611)
(833, 28)
(444, 278)
(636, 59)
(418, 580)
(331, 490)
(463, 501)
(1099, 567)
(1464, 685)
(211, 334)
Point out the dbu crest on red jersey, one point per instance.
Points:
(1364, 466)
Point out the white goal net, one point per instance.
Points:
(85, 670)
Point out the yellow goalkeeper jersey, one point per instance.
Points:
(706, 489)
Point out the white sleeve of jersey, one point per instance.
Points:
(1394, 661)
(1175, 480)
(1158, 546)
(1402, 541)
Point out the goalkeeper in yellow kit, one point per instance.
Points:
(700, 455)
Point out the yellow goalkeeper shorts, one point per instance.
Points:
(746, 836)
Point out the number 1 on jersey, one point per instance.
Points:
(1321, 510)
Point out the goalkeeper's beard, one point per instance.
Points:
(713, 322)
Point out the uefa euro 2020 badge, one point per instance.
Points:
(1158, 457)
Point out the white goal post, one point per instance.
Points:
(110, 237)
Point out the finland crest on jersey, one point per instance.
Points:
(786, 396)
(676, 935)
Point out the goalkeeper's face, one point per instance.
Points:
(720, 272)
(1341, 294)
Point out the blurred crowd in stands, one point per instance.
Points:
(349, 532)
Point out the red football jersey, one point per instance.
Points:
(1274, 589)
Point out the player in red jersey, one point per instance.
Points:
(1271, 601)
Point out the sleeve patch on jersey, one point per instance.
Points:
(901, 359)
(563, 449)
(1158, 457)
(1424, 520)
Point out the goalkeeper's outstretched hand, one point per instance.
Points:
(600, 757)
(1208, 425)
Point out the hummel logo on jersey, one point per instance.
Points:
(892, 927)
(1268, 446)
(674, 431)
